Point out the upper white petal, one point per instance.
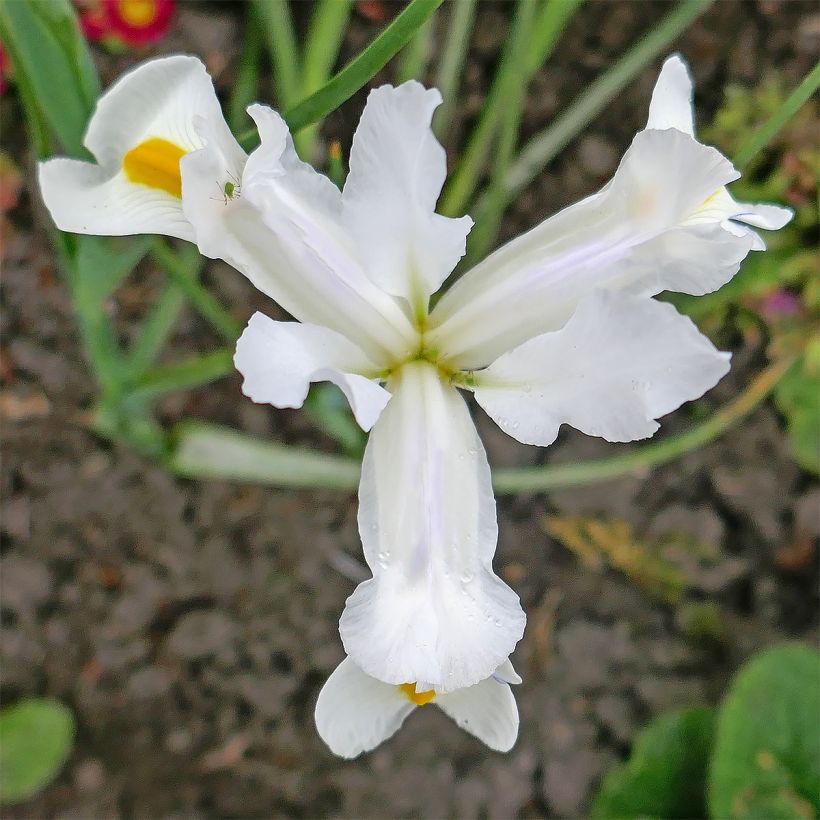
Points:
(486, 710)
(619, 363)
(671, 105)
(532, 284)
(279, 360)
(434, 610)
(397, 169)
(355, 712)
(290, 242)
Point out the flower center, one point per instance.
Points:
(419, 698)
(138, 13)
(155, 163)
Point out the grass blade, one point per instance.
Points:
(182, 273)
(416, 55)
(280, 38)
(514, 83)
(210, 451)
(749, 150)
(246, 85)
(183, 375)
(544, 146)
(459, 27)
(358, 71)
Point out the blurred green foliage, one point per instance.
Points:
(757, 755)
(36, 736)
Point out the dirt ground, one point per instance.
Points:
(191, 624)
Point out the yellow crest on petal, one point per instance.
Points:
(419, 698)
(155, 163)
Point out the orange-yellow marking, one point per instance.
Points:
(419, 698)
(138, 13)
(155, 163)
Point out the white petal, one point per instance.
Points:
(170, 99)
(533, 283)
(279, 360)
(160, 98)
(355, 712)
(486, 710)
(83, 198)
(397, 169)
(619, 363)
(434, 610)
(506, 673)
(671, 105)
(761, 215)
(290, 243)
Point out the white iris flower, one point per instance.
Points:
(556, 327)
(355, 713)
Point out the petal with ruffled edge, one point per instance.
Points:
(356, 712)
(533, 283)
(279, 360)
(434, 611)
(159, 100)
(671, 104)
(487, 710)
(619, 363)
(397, 169)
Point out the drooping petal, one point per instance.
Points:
(83, 198)
(487, 710)
(397, 169)
(140, 132)
(671, 105)
(355, 712)
(619, 363)
(434, 611)
(279, 360)
(723, 209)
(532, 284)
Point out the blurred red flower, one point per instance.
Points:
(127, 22)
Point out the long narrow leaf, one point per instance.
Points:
(359, 70)
(787, 110)
(277, 25)
(211, 451)
(459, 26)
(544, 146)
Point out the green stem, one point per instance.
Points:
(277, 26)
(202, 300)
(647, 456)
(183, 375)
(416, 54)
(464, 180)
(548, 27)
(460, 24)
(544, 146)
(328, 25)
(787, 110)
(156, 329)
(358, 71)
(515, 85)
(246, 84)
(211, 451)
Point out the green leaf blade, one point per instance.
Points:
(767, 749)
(665, 776)
(36, 736)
